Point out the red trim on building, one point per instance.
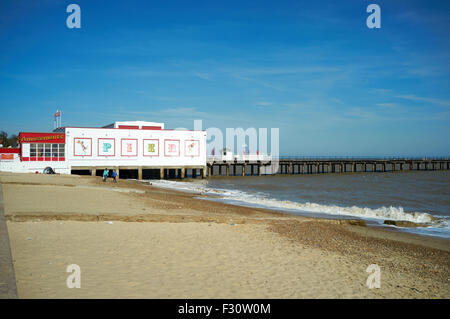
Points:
(5, 150)
(129, 127)
(151, 128)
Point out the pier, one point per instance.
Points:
(256, 165)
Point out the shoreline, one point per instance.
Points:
(64, 206)
(396, 225)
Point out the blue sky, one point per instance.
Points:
(312, 69)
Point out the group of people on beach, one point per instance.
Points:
(106, 175)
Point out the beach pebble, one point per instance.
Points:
(29, 238)
(110, 223)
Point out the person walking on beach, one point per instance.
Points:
(114, 175)
(105, 174)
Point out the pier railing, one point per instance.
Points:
(240, 158)
(363, 158)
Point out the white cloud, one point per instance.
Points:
(264, 103)
(412, 97)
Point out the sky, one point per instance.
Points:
(313, 69)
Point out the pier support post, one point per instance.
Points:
(259, 169)
(139, 173)
(228, 170)
(93, 171)
(303, 168)
(243, 169)
(161, 173)
(203, 172)
(182, 173)
(210, 170)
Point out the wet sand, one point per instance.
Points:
(137, 241)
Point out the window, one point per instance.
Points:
(40, 150)
(54, 150)
(47, 150)
(61, 150)
(33, 150)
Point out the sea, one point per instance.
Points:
(416, 196)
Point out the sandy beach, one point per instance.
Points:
(137, 241)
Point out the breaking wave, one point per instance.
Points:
(265, 201)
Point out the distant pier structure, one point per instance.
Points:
(248, 165)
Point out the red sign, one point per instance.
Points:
(42, 137)
(6, 157)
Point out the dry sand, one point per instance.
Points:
(137, 241)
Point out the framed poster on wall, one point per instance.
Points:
(106, 147)
(192, 148)
(128, 147)
(82, 146)
(171, 147)
(151, 147)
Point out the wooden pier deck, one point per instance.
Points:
(265, 165)
(321, 165)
